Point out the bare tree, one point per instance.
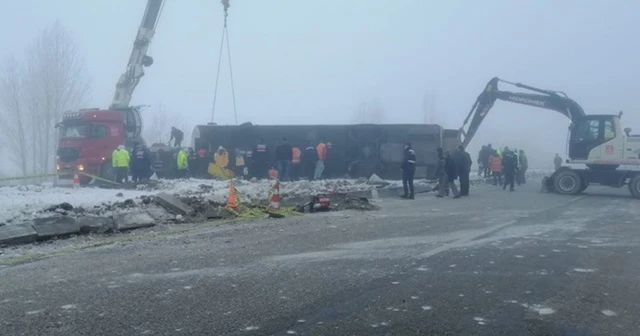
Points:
(53, 79)
(158, 128)
(13, 113)
(370, 112)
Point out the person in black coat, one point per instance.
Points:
(177, 135)
(408, 170)
(140, 163)
(451, 172)
(510, 167)
(284, 154)
(308, 161)
(463, 165)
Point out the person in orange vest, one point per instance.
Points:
(295, 163)
(495, 164)
(322, 156)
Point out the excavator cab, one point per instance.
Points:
(596, 138)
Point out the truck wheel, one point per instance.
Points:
(634, 186)
(568, 182)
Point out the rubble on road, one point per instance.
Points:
(29, 213)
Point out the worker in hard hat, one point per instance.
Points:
(120, 159)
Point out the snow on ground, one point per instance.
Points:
(19, 203)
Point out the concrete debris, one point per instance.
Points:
(62, 206)
(55, 226)
(17, 234)
(94, 224)
(173, 204)
(194, 201)
(133, 220)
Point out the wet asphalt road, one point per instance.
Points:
(496, 263)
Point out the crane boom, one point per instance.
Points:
(138, 58)
(546, 99)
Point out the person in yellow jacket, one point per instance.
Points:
(120, 161)
(182, 163)
(219, 166)
(221, 157)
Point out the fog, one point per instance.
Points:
(306, 62)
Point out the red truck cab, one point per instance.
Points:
(88, 137)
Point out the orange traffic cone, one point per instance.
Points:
(232, 200)
(274, 200)
(76, 181)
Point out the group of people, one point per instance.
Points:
(288, 162)
(138, 161)
(291, 161)
(451, 166)
(496, 163)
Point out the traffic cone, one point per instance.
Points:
(274, 200)
(76, 181)
(232, 200)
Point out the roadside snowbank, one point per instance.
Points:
(19, 203)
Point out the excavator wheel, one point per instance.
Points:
(568, 182)
(634, 186)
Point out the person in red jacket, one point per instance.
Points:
(495, 164)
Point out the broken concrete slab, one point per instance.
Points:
(133, 220)
(17, 234)
(55, 226)
(95, 224)
(217, 213)
(173, 205)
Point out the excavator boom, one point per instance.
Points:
(546, 99)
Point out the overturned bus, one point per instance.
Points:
(356, 150)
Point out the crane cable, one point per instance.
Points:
(225, 33)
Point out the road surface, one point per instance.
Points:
(496, 263)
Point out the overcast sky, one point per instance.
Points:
(311, 61)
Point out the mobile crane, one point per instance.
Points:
(600, 151)
(89, 136)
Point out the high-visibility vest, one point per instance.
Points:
(495, 162)
(322, 151)
(221, 159)
(295, 158)
(239, 160)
